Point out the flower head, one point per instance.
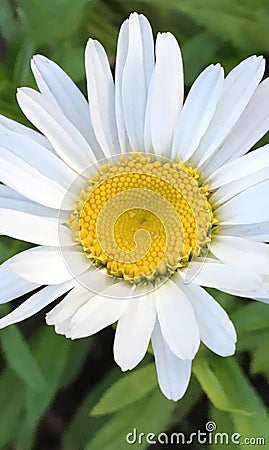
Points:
(137, 202)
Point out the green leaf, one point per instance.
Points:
(10, 247)
(83, 426)
(11, 406)
(21, 360)
(252, 426)
(21, 73)
(214, 385)
(252, 317)
(248, 342)
(197, 53)
(71, 58)
(51, 353)
(152, 414)
(50, 357)
(227, 301)
(224, 424)
(46, 21)
(76, 357)
(260, 360)
(130, 388)
(229, 21)
(242, 427)
(183, 407)
(8, 23)
(226, 386)
(148, 415)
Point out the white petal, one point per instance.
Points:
(45, 265)
(65, 138)
(35, 303)
(62, 327)
(230, 190)
(35, 229)
(122, 49)
(29, 182)
(263, 295)
(256, 232)
(173, 373)
(99, 312)
(251, 126)
(147, 42)
(133, 331)
(22, 130)
(230, 249)
(101, 96)
(263, 300)
(46, 162)
(250, 206)
(135, 78)
(92, 282)
(238, 88)
(58, 87)
(12, 286)
(216, 329)
(148, 128)
(166, 93)
(241, 167)
(197, 111)
(177, 320)
(69, 305)
(228, 278)
(10, 199)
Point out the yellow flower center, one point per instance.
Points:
(143, 218)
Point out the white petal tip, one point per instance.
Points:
(89, 45)
(49, 320)
(224, 351)
(68, 334)
(231, 352)
(37, 61)
(176, 395)
(21, 91)
(125, 367)
(39, 57)
(166, 35)
(133, 15)
(175, 398)
(189, 354)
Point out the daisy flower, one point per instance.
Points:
(136, 202)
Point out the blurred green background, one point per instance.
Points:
(59, 394)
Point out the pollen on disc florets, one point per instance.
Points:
(143, 217)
